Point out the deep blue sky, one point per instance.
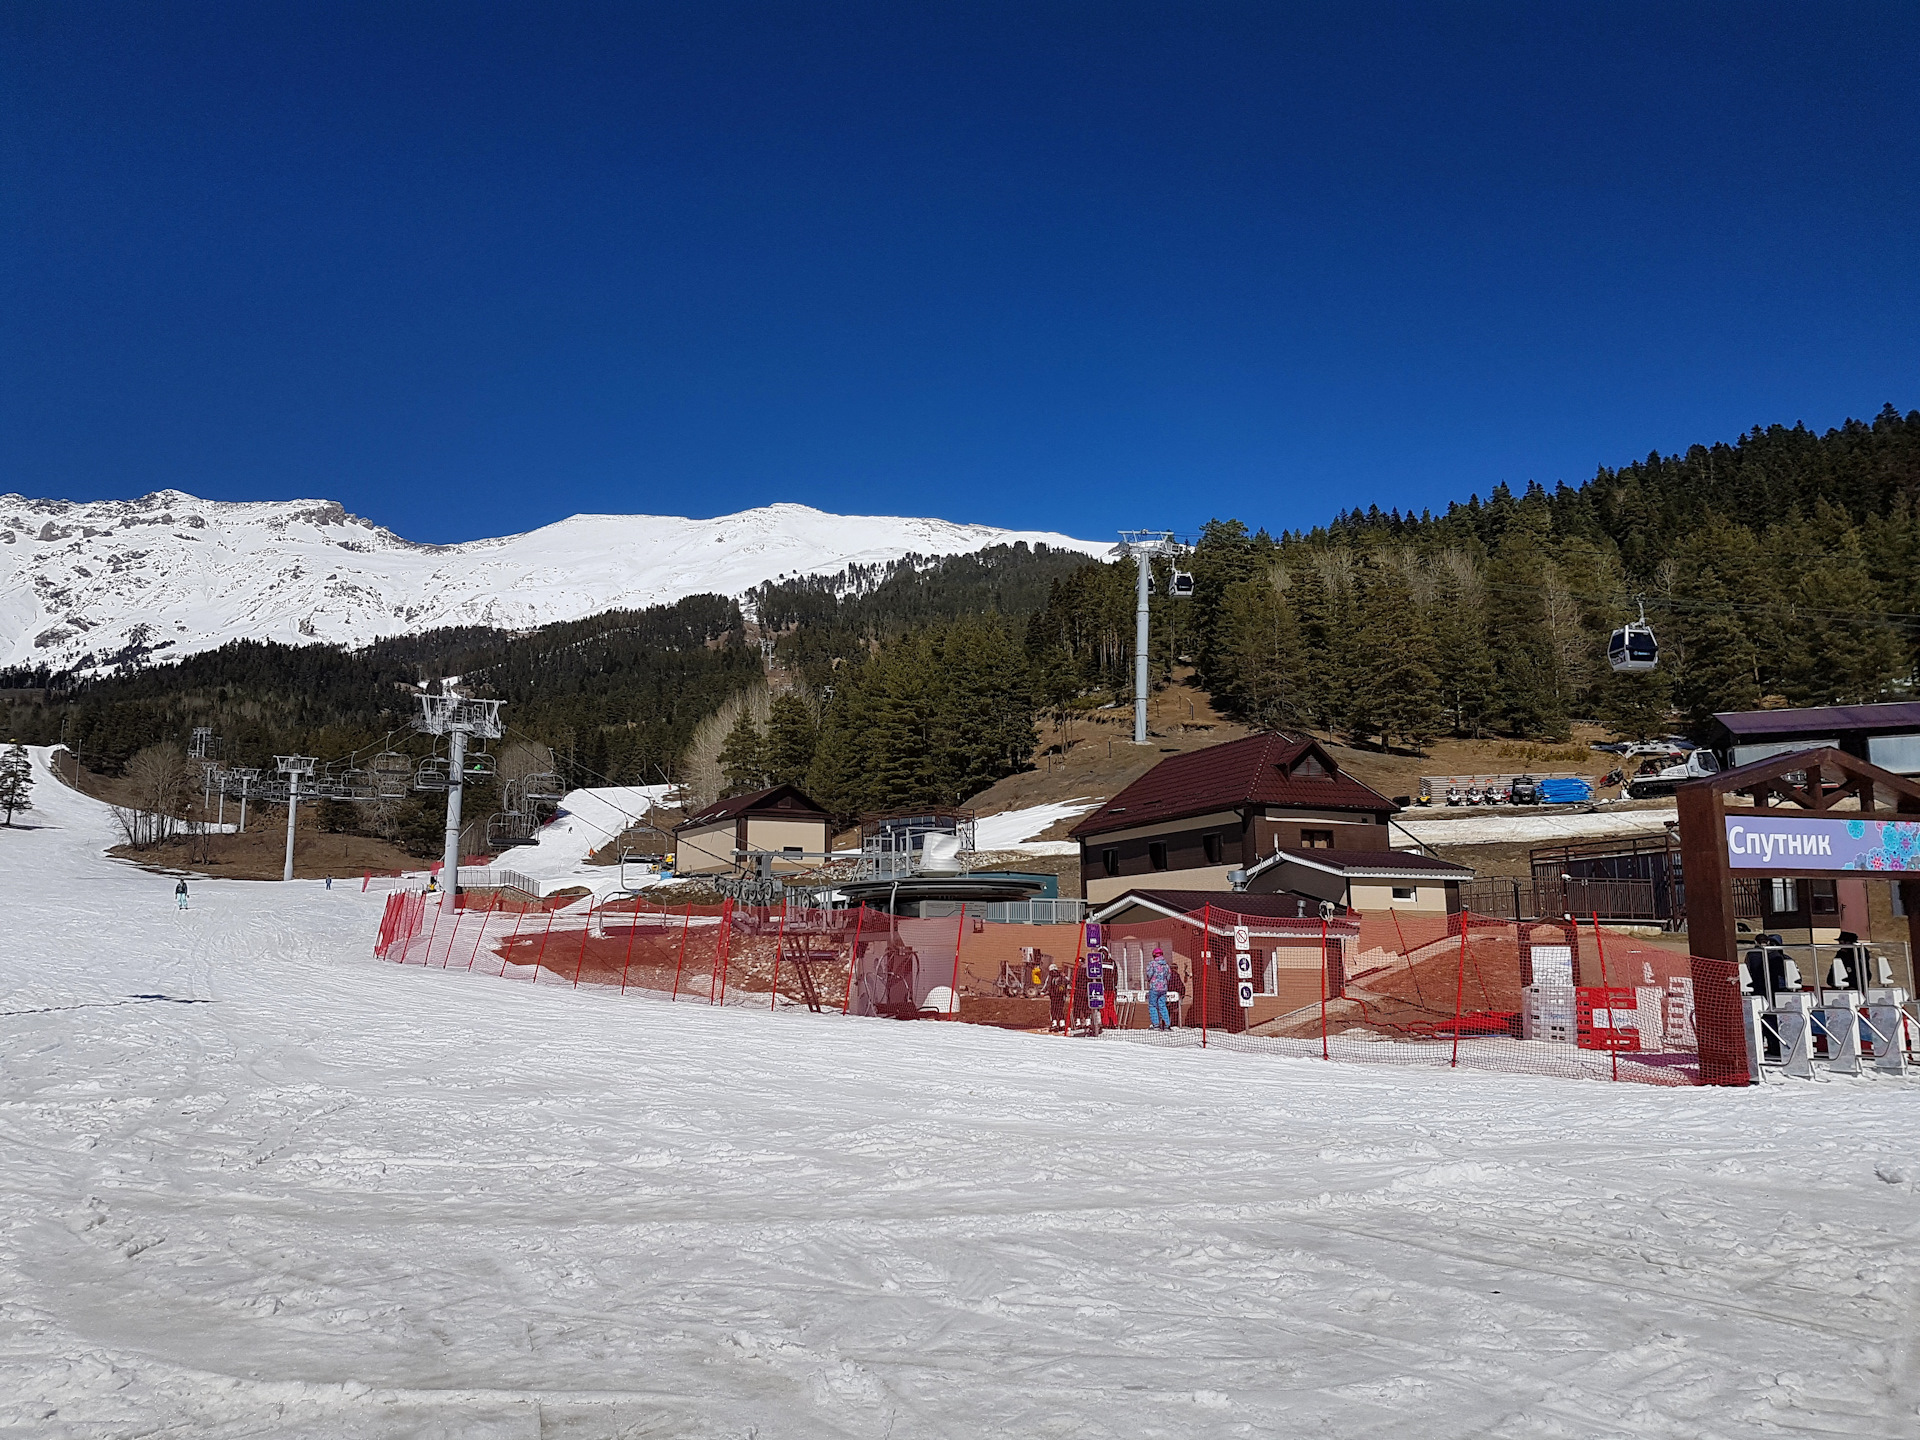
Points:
(471, 269)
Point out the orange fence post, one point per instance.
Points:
(853, 956)
(1325, 1054)
(633, 929)
(1460, 992)
(458, 913)
(581, 963)
(1413, 972)
(953, 994)
(1600, 945)
(540, 958)
(778, 940)
(683, 954)
(506, 951)
(435, 928)
(475, 953)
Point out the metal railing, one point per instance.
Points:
(1009, 912)
(493, 877)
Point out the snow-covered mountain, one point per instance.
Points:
(94, 583)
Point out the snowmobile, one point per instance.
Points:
(1476, 796)
(1454, 797)
(1662, 774)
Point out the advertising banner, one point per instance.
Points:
(1796, 844)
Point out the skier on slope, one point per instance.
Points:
(180, 895)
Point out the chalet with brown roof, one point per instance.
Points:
(782, 821)
(1277, 808)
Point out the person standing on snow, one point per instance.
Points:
(1056, 992)
(1159, 977)
(180, 895)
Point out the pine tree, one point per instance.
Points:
(1527, 695)
(791, 736)
(1409, 688)
(16, 779)
(1637, 707)
(838, 777)
(743, 758)
(1462, 659)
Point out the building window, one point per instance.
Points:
(1211, 843)
(1110, 861)
(1157, 854)
(1823, 897)
(1316, 839)
(1785, 897)
(1406, 892)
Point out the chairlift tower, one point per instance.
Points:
(293, 767)
(457, 718)
(1143, 546)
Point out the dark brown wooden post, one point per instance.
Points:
(1708, 874)
(1719, 1006)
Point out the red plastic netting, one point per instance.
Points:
(1400, 987)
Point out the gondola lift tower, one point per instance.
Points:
(1143, 546)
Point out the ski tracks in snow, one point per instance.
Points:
(344, 1199)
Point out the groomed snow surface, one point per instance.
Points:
(256, 1183)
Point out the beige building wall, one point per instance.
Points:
(707, 851)
(803, 835)
(1210, 877)
(1428, 895)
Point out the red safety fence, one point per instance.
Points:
(856, 961)
(1568, 998)
(1563, 998)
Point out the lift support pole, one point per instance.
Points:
(1142, 633)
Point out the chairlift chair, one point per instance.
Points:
(509, 827)
(392, 774)
(431, 774)
(543, 785)
(478, 765)
(1633, 648)
(356, 784)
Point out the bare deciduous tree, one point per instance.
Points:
(160, 779)
(701, 774)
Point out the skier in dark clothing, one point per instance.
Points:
(180, 895)
(1056, 991)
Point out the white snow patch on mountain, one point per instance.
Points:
(168, 574)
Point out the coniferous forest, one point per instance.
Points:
(1781, 568)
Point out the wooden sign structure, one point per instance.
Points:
(1816, 813)
(1790, 829)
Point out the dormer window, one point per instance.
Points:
(1309, 767)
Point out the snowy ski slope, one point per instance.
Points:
(171, 574)
(254, 1183)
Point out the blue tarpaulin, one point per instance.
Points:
(1565, 792)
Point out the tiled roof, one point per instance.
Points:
(780, 799)
(1224, 777)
